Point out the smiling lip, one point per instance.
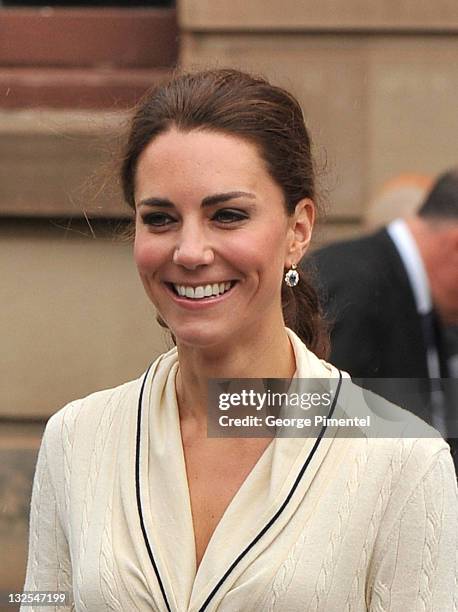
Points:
(195, 304)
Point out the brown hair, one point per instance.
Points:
(239, 104)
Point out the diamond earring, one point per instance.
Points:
(292, 276)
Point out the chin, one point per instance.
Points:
(199, 336)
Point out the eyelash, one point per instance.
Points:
(161, 220)
(154, 219)
(235, 215)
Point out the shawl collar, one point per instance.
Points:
(255, 516)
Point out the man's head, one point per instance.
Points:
(435, 229)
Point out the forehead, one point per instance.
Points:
(201, 161)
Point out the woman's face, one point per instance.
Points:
(212, 236)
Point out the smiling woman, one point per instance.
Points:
(206, 208)
(267, 124)
(134, 506)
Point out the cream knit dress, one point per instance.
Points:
(331, 525)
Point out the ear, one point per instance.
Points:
(299, 231)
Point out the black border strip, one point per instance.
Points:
(282, 507)
(137, 487)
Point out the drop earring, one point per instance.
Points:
(292, 276)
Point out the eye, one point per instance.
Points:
(229, 215)
(157, 219)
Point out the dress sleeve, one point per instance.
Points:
(415, 568)
(48, 565)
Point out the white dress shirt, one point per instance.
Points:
(408, 250)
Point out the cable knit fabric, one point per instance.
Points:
(371, 525)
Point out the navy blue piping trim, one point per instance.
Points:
(282, 507)
(260, 534)
(137, 487)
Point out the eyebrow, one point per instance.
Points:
(217, 198)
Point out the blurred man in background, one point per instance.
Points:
(389, 320)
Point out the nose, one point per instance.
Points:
(192, 249)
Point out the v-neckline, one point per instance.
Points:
(232, 506)
(163, 500)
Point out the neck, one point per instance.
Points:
(260, 356)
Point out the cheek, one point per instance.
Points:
(273, 245)
(266, 254)
(147, 253)
(141, 255)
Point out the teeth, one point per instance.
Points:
(201, 291)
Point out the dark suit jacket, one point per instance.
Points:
(366, 293)
(376, 332)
